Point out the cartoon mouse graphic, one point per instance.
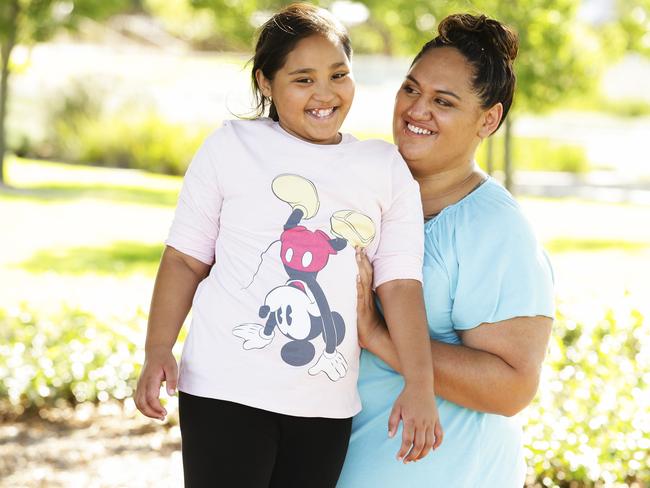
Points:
(299, 308)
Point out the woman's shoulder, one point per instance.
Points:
(489, 212)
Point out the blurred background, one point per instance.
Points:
(103, 103)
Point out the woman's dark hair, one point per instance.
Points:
(490, 47)
(279, 36)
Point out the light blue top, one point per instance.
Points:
(482, 263)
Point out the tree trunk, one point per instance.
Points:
(507, 164)
(5, 54)
(384, 33)
(489, 149)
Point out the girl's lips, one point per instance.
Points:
(321, 113)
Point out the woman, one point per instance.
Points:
(487, 282)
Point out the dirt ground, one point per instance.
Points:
(90, 447)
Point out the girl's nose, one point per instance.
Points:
(323, 92)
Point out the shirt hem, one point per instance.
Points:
(262, 405)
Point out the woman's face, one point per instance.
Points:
(313, 91)
(438, 120)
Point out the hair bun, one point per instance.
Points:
(488, 33)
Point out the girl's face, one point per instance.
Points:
(313, 91)
(438, 121)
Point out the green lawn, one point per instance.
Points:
(91, 238)
(85, 238)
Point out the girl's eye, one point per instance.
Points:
(338, 76)
(303, 80)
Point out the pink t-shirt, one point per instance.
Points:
(274, 323)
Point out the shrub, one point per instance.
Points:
(70, 358)
(590, 423)
(141, 142)
(538, 154)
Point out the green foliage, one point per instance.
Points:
(118, 259)
(632, 25)
(142, 142)
(37, 20)
(590, 422)
(81, 131)
(538, 154)
(69, 358)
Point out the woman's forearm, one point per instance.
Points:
(469, 377)
(178, 277)
(403, 304)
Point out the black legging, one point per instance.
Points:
(230, 445)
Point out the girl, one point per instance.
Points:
(263, 247)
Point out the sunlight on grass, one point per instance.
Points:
(47, 181)
(120, 258)
(562, 244)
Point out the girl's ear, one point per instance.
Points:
(264, 83)
(491, 119)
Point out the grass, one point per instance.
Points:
(91, 238)
(118, 258)
(576, 244)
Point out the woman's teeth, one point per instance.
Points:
(321, 112)
(418, 130)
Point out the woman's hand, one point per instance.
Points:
(159, 365)
(369, 322)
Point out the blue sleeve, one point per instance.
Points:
(503, 271)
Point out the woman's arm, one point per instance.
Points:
(176, 282)
(495, 370)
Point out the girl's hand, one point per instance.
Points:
(159, 365)
(421, 429)
(369, 322)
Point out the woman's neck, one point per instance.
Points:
(439, 190)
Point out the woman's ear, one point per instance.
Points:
(264, 83)
(491, 119)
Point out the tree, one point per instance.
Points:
(30, 21)
(554, 59)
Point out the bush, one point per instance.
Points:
(141, 142)
(590, 423)
(537, 154)
(69, 359)
(82, 130)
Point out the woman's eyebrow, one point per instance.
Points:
(442, 92)
(311, 70)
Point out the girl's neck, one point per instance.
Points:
(448, 187)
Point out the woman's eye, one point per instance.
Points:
(442, 102)
(303, 80)
(408, 89)
(338, 76)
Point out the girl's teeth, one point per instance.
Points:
(323, 112)
(418, 130)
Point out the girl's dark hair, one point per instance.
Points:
(490, 47)
(279, 36)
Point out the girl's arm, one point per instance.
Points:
(416, 407)
(178, 277)
(495, 370)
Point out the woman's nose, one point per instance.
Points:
(419, 110)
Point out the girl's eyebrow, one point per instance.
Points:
(311, 70)
(442, 92)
